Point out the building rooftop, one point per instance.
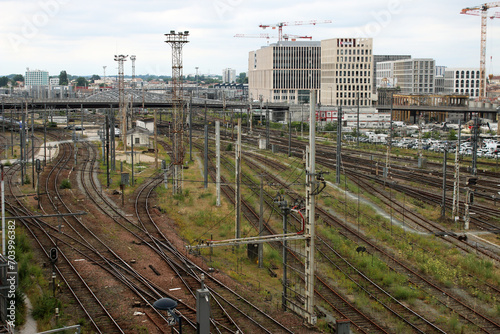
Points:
(295, 43)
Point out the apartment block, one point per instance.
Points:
(463, 81)
(284, 71)
(382, 81)
(346, 71)
(228, 75)
(412, 76)
(36, 78)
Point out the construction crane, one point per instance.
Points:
(280, 25)
(482, 10)
(286, 37)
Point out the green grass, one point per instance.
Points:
(65, 184)
(44, 307)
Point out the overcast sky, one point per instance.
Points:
(83, 36)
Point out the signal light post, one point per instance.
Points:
(469, 199)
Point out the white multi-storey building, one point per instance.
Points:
(284, 71)
(54, 81)
(462, 81)
(346, 71)
(412, 76)
(228, 75)
(380, 82)
(36, 78)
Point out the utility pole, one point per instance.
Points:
(164, 168)
(191, 128)
(289, 133)
(112, 136)
(156, 141)
(268, 140)
(285, 210)
(302, 120)
(132, 156)
(251, 117)
(261, 221)
(469, 199)
(107, 149)
(45, 135)
(12, 131)
(339, 144)
(21, 143)
(443, 203)
(217, 165)
(238, 183)
(357, 124)
(205, 160)
(456, 184)
(310, 213)
(4, 235)
(103, 142)
(475, 126)
(81, 109)
(389, 144)
(421, 162)
(33, 148)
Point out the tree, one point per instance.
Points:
(81, 82)
(452, 135)
(95, 77)
(63, 78)
(17, 77)
(4, 81)
(242, 78)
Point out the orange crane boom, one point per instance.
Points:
(285, 36)
(482, 10)
(280, 25)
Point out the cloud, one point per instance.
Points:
(81, 37)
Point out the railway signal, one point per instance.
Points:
(53, 255)
(471, 181)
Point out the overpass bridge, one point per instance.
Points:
(134, 98)
(439, 107)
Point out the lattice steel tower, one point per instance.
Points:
(133, 58)
(177, 41)
(121, 94)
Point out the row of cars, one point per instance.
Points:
(487, 148)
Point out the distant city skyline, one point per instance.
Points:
(82, 37)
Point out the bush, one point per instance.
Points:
(51, 124)
(44, 307)
(229, 147)
(65, 184)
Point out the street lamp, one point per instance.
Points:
(169, 305)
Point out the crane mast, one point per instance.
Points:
(482, 10)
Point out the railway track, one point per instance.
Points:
(466, 312)
(324, 291)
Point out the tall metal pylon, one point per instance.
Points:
(177, 41)
(121, 96)
(133, 58)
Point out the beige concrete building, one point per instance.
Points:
(346, 71)
(285, 71)
(412, 76)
